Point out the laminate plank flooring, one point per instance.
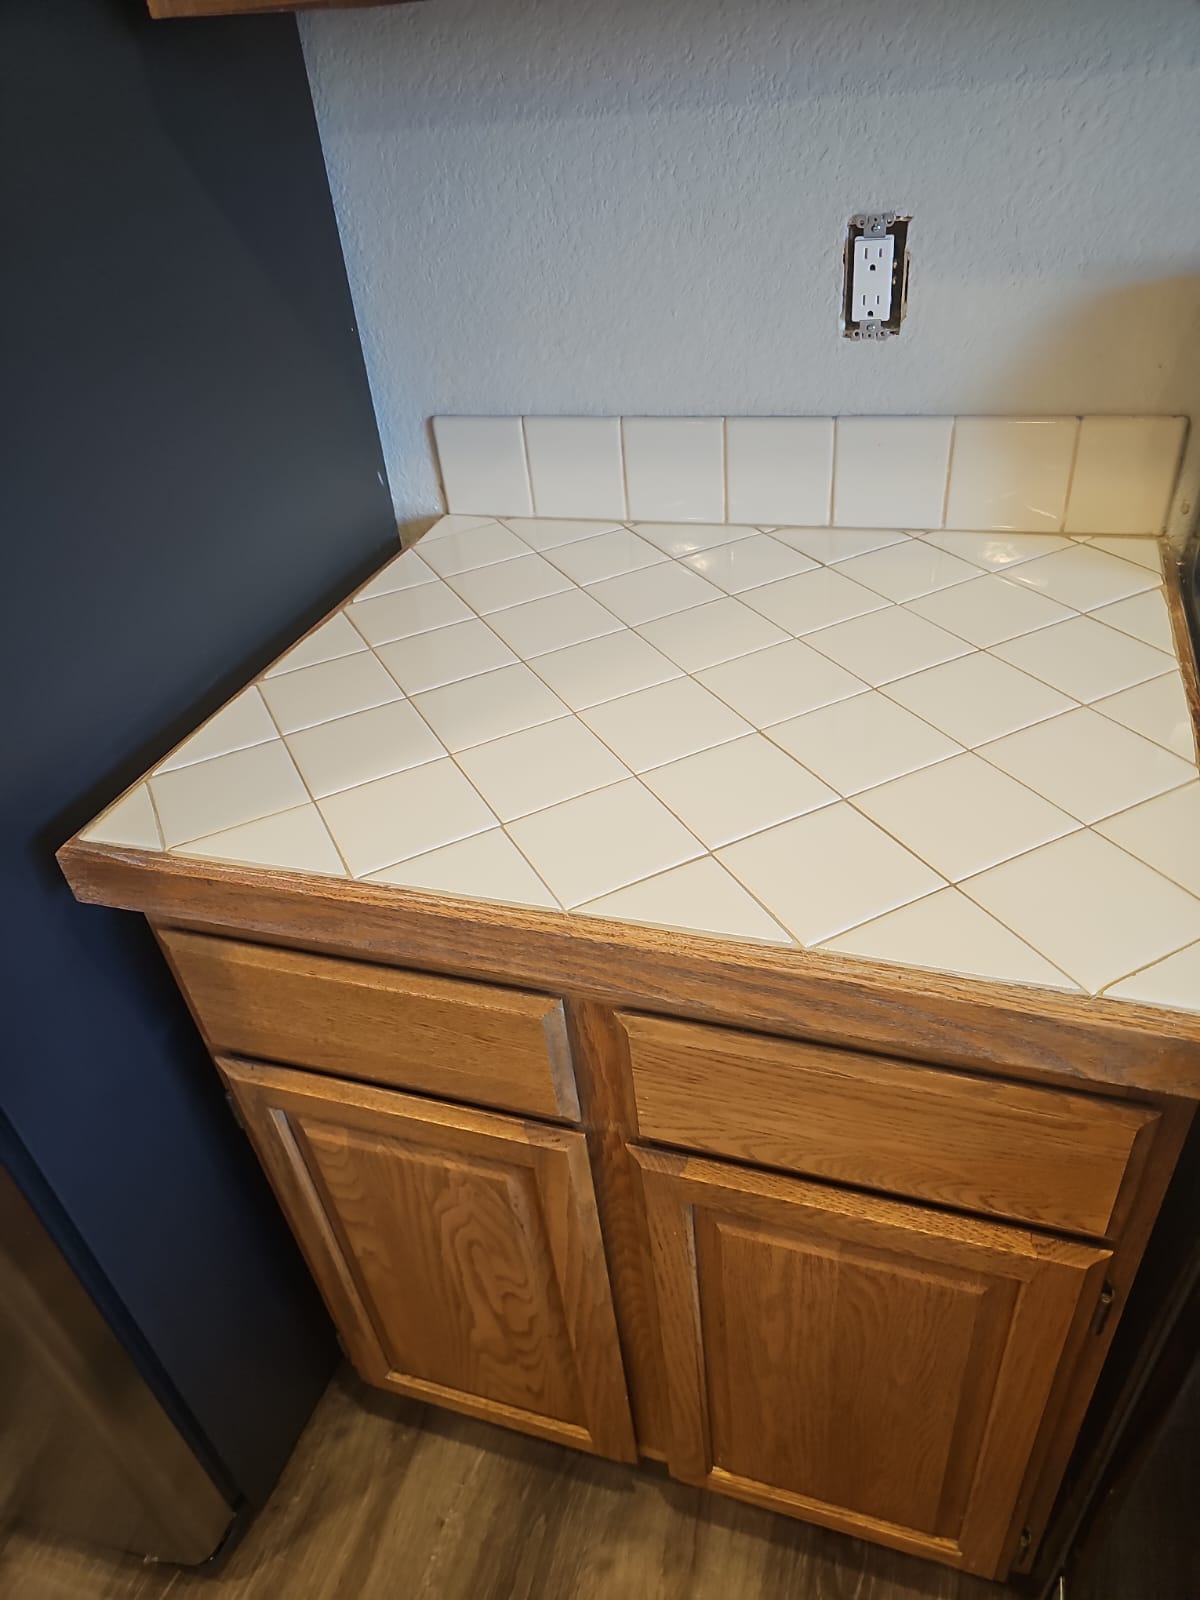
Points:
(385, 1499)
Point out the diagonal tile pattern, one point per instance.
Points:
(968, 752)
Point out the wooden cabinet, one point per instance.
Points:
(878, 1367)
(459, 1251)
(461, 1041)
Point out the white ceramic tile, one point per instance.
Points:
(606, 555)
(477, 547)
(735, 789)
(1090, 908)
(962, 815)
(950, 933)
(445, 526)
(1157, 710)
(408, 612)
(830, 545)
(1087, 764)
(779, 682)
(330, 689)
(996, 551)
(706, 635)
(508, 583)
(446, 655)
(539, 626)
(407, 571)
(403, 815)
(685, 538)
(889, 645)
(904, 571)
(813, 600)
(989, 609)
(601, 669)
(1162, 832)
(863, 741)
(1143, 551)
(1174, 982)
(1011, 472)
(890, 472)
(1084, 577)
(1084, 658)
(482, 461)
(976, 698)
(211, 796)
(779, 469)
(244, 721)
(601, 841)
(1124, 474)
(748, 563)
(1143, 616)
(488, 707)
(547, 533)
(638, 597)
(332, 639)
(575, 466)
(674, 468)
(487, 866)
(828, 871)
(359, 748)
(699, 895)
(292, 841)
(129, 821)
(538, 767)
(657, 725)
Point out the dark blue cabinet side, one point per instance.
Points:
(191, 474)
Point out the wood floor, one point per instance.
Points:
(385, 1499)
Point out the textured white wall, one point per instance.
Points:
(623, 206)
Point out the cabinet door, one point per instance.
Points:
(873, 1366)
(459, 1251)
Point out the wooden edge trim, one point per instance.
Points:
(841, 1000)
(1181, 633)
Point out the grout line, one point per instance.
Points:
(949, 471)
(162, 836)
(525, 464)
(1145, 967)
(624, 467)
(725, 470)
(1070, 488)
(312, 797)
(833, 462)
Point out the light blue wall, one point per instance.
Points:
(638, 205)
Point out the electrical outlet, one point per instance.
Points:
(871, 279)
(875, 275)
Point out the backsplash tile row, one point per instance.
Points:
(1098, 475)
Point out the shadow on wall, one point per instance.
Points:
(1155, 324)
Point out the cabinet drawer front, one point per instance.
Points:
(981, 1144)
(442, 1036)
(459, 1251)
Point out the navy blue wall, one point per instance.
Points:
(191, 474)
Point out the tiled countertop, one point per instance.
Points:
(963, 751)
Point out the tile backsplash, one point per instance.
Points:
(1100, 475)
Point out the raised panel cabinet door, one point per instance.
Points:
(873, 1366)
(459, 1251)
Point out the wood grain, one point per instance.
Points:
(459, 1251)
(385, 1499)
(855, 1360)
(466, 1041)
(598, 1046)
(981, 1144)
(826, 998)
